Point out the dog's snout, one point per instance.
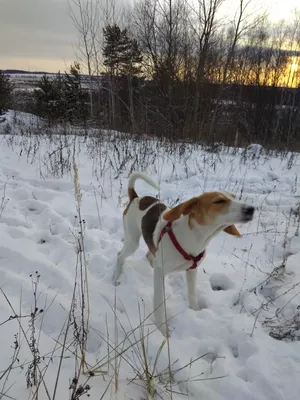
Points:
(248, 211)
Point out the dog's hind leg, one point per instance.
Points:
(130, 246)
(150, 257)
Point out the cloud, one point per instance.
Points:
(41, 34)
(35, 30)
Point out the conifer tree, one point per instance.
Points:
(121, 53)
(5, 92)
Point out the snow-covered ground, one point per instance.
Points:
(230, 350)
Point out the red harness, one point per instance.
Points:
(186, 256)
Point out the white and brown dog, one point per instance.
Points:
(177, 237)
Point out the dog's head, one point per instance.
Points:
(213, 208)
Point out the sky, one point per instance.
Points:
(39, 35)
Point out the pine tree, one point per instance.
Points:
(62, 99)
(121, 53)
(48, 98)
(131, 63)
(5, 92)
(114, 44)
(75, 98)
(123, 58)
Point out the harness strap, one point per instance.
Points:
(168, 229)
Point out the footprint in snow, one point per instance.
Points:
(220, 282)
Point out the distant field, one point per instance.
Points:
(29, 81)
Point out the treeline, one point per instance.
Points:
(62, 98)
(185, 70)
(5, 93)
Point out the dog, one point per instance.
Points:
(176, 237)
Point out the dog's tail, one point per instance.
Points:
(139, 175)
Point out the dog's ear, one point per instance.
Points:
(184, 208)
(231, 230)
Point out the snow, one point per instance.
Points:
(244, 291)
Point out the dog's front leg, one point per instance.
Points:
(191, 279)
(159, 300)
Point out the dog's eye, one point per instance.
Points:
(220, 201)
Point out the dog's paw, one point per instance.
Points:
(116, 282)
(194, 307)
(194, 304)
(164, 329)
(197, 304)
(150, 258)
(166, 332)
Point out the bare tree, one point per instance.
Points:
(245, 19)
(160, 26)
(85, 16)
(192, 54)
(203, 22)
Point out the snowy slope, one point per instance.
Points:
(244, 294)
